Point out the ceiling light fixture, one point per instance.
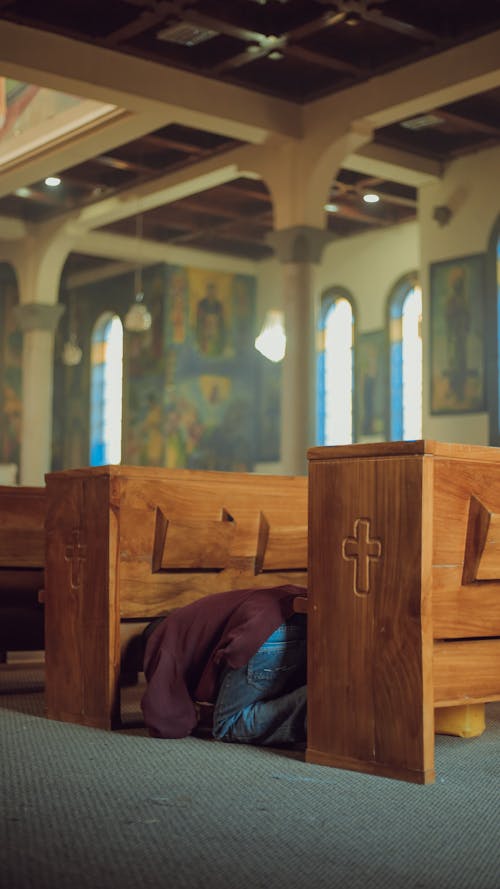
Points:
(421, 122)
(331, 208)
(72, 353)
(371, 198)
(52, 181)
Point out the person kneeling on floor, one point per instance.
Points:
(239, 655)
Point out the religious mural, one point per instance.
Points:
(457, 328)
(32, 117)
(196, 406)
(11, 349)
(192, 383)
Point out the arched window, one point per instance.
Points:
(106, 374)
(405, 333)
(335, 370)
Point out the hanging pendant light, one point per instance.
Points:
(71, 352)
(138, 318)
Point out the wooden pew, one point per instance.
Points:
(128, 543)
(404, 599)
(22, 554)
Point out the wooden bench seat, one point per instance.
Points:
(404, 600)
(129, 543)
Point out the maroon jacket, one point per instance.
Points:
(187, 651)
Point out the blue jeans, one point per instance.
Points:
(265, 701)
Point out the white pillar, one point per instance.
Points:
(38, 322)
(298, 248)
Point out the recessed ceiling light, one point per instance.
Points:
(421, 122)
(52, 181)
(371, 198)
(331, 208)
(185, 34)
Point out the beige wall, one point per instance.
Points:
(369, 265)
(470, 188)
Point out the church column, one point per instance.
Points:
(299, 174)
(38, 321)
(38, 261)
(298, 249)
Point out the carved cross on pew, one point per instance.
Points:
(75, 553)
(361, 549)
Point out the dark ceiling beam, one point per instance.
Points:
(397, 200)
(260, 45)
(316, 58)
(464, 150)
(357, 189)
(399, 26)
(472, 123)
(146, 19)
(223, 233)
(177, 145)
(118, 163)
(196, 219)
(211, 206)
(220, 25)
(239, 60)
(354, 10)
(248, 192)
(348, 211)
(319, 23)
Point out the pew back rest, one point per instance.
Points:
(22, 535)
(163, 538)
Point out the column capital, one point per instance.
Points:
(38, 316)
(299, 243)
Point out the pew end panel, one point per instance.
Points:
(126, 544)
(22, 558)
(404, 598)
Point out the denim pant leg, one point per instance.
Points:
(265, 701)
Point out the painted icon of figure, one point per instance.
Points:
(210, 323)
(458, 323)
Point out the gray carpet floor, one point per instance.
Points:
(86, 808)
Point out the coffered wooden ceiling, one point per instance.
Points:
(297, 50)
